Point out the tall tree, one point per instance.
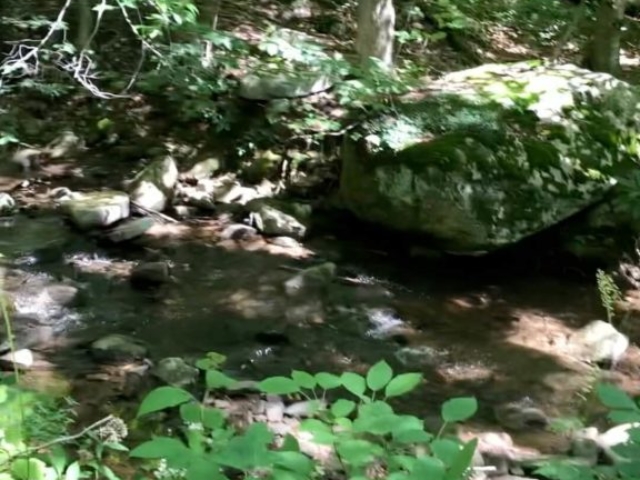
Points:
(376, 30)
(602, 53)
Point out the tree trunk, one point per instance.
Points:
(603, 51)
(376, 29)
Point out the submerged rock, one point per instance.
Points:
(153, 187)
(176, 372)
(491, 155)
(130, 229)
(149, 274)
(96, 209)
(311, 279)
(118, 348)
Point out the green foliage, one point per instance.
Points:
(366, 433)
(609, 293)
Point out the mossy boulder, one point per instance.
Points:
(488, 156)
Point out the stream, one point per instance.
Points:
(491, 329)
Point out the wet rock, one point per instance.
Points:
(521, 416)
(584, 444)
(274, 86)
(118, 348)
(285, 242)
(238, 231)
(175, 371)
(599, 341)
(28, 333)
(65, 145)
(204, 169)
(96, 209)
(7, 204)
(20, 358)
(153, 187)
(311, 279)
(130, 229)
(150, 274)
(62, 295)
(271, 221)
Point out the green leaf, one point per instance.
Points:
(294, 461)
(427, 467)
(462, 461)
(168, 448)
(624, 416)
(402, 384)
(290, 444)
(279, 386)
(342, 407)
(358, 452)
(445, 450)
(327, 381)
(614, 398)
(459, 409)
(412, 436)
(216, 379)
(203, 467)
(29, 469)
(379, 375)
(321, 431)
(72, 472)
(211, 418)
(304, 379)
(354, 383)
(162, 398)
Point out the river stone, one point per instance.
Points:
(176, 372)
(491, 155)
(147, 274)
(274, 222)
(130, 229)
(238, 231)
(97, 209)
(599, 341)
(153, 187)
(118, 348)
(7, 204)
(312, 278)
(267, 86)
(521, 416)
(204, 169)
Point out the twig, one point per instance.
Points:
(57, 441)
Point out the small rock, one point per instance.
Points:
(64, 145)
(97, 209)
(176, 372)
(184, 211)
(285, 242)
(599, 341)
(275, 86)
(130, 229)
(274, 408)
(62, 295)
(273, 222)
(21, 358)
(7, 204)
(238, 231)
(312, 278)
(204, 169)
(153, 187)
(148, 274)
(521, 416)
(118, 348)
(584, 444)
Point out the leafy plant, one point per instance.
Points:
(366, 434)
(609, 293)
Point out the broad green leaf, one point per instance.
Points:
(72, 472)
(216, 379)
(290, 444)
(249, 450)
(379, 375)
(624, 416)
(327, 381)
(107, 473)
(459, 409)
(427, 468)
(304, 379)
(445, 450)
(321, 431)
(203, 467)
(354, 383)
(279, 386)
(357, 452)
(462, 461)
(412, 436)
(402, 384)
(168, 448)
(612, 397)
(342, 407)
(162, 398)
(294, 461)
(376, 417)
(29, 469)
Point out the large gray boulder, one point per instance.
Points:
(96, 209)
(153, 187)
(488, 156)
